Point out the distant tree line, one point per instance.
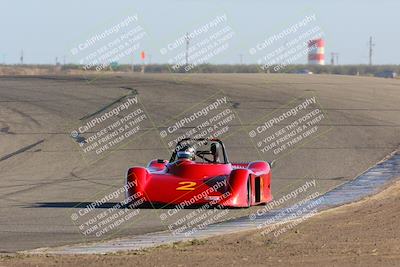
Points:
(364, 70)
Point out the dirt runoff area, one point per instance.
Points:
(366, 233)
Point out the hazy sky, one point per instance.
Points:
(47, 29)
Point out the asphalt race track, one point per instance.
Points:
(44, 179)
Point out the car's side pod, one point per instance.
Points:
(251, 185)
(237, 186)
(136, 179)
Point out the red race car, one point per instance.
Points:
(199, 173)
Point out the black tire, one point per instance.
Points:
(249, 192)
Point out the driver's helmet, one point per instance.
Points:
(186, 152)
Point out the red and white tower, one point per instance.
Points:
(316, 52)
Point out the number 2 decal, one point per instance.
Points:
(186, 186)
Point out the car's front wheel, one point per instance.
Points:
(249, 192)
